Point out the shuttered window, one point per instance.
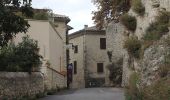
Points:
(76, 49)
(75, 67)
(100, 68)
(102, 43)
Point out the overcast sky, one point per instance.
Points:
(79, 11)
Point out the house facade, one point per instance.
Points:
(51, 36)
(89, 58)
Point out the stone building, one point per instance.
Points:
(51, 36)
(89, 58)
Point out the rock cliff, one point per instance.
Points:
(153, 57)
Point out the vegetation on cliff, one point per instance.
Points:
(158, 28)
(129, 22)
(133, 46)
(138, 7)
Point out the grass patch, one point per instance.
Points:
(138, 7)
(129, 22)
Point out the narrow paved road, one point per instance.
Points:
(89, 94)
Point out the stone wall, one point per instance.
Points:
(115, 40)
(115, 34)
(18, 84)
(54, 79)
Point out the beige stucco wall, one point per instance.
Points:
(56, 51)
(49, 41)
(78, 79)
(52, 48)
(89, 54)
(96, 55)
(54, 80)
(39, 30)
(61, 28)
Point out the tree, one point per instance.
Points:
(108, 9)
(10, 23)
(23, 57)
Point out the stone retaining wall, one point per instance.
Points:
(19, 84)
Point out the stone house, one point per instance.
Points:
(89, 58)
(51, 36)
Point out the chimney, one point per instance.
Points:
(85, 26)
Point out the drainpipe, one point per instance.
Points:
(67, 59)
(84, 53)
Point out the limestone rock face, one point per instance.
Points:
(154, 57)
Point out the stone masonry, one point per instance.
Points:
(19, 84)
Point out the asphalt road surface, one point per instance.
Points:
(89, 94)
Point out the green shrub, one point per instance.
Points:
(41, 16)
(132, 91)
(115, 74)
(133, 46)
(129, 22)
(138, 7)
(22, 57)
(158, 28)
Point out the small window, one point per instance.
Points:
(75, 67)
(100, 68)
(76, 49)
(102, 43)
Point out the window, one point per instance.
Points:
(75, 67)
(102, 43)
(76, 49)
(100, 67)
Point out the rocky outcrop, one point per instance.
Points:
(153, 56)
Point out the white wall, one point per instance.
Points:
(51, 44)
(39, 30)
(56, 50)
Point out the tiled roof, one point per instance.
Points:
(87, 30)
(93, 28)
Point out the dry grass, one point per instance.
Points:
(158, 91)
